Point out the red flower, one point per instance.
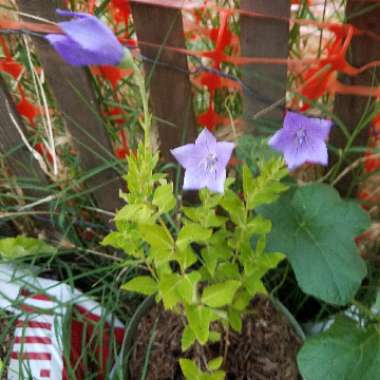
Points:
(11, 67)
(111, 73)
(321, 78)
(122, 153)
(41, 149)
(121, 10)
(28, 110)
(116, 115)
(210, 119)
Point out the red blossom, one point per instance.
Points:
(41, 149)
(321, 77)
(210, 119)
(111, 73)
(116, 115)
(11, 67)
(28, 110)
(121, 10)
(122, 153)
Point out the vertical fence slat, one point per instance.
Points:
(17, 156)
(20, 161)
(169, 84)
(72, 90)
(351, 108)
(264, 37)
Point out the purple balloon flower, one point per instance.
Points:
(204, 162)
(302, 139)
(86, 41)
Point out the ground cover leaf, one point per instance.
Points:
(315, 228)
(345, 351)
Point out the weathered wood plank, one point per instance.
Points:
(351, 108)
(17, 156)
(261, 37)
(72, 90)
(169, 83)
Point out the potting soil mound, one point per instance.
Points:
(265, 350)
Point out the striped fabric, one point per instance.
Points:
(41, 306)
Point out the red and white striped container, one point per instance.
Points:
(43, 307)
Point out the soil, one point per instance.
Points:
(265, 350)
(5, 344)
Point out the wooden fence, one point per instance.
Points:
(160, 23)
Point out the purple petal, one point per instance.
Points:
(183, 154)
(206, 140)
(190, 156)
(205, 162)
(280, 140)
(88, 36)
(320, 128)
(68, 50)
(302, 139)
(313, 151)
(216, 182)
(223, 153)
(67, 13)
(194, 179)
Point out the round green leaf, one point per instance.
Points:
(315, 228)
(20, 246)
(345, 351)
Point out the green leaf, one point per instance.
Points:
(235, 207)
(214, 336)
(168, 289)
(188, 338)
(215, 364)
(141, 284)
(234, 318)
(212, 254)
(254, 151)
(254, 285)
(217, 375)
(20, 246)
(315, 228)
(190, 369)
(185, 257)
(156, 236)
(220, 295)
(257, 268)
(345, 351)
(227, 271)
(242, 300)
(138, 213)
(199, 318)
(164, 199)
(160, 256)
(204, 216)
(129, 240)
(262, 263)
(267, 187)
(210, 199)
(187, 287)
(259, 226)
(192, 232)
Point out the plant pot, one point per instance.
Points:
(266, 349)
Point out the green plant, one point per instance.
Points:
(198, 260)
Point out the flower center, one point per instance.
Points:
(210, 163)
(301, 136)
